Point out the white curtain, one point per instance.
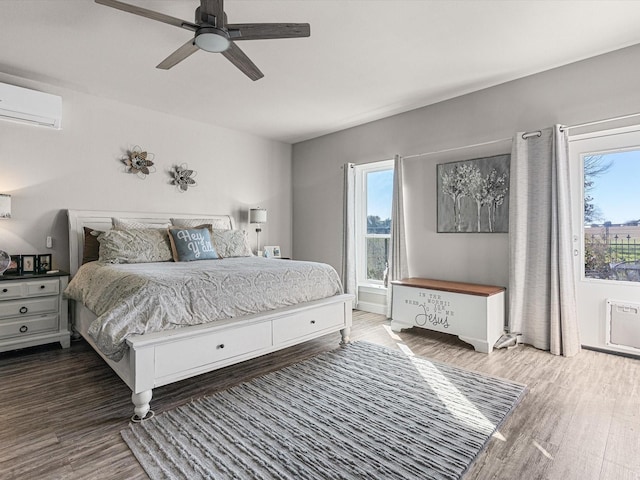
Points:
(542, 300)
(349, 232)
(398, 267)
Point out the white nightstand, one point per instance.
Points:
(33, 310)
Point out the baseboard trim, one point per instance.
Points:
(372, 307)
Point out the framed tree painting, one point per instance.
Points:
(473, 195)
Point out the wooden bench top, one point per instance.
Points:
(454, 287)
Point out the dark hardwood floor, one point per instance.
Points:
(61, 411)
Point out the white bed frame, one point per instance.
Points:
(157, 359)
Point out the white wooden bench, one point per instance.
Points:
(475, 313)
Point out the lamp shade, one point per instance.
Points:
(5, 205)
(258, 215)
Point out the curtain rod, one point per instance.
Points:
(524, 136)
(563, 128)
(491, 142)
(596, 122)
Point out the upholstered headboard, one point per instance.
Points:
(101, 220)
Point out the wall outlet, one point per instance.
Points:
(49, 242)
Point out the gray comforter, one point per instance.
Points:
(151, 297)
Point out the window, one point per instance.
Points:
(374, 191)
(612, 215)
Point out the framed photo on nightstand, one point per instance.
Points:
(272, 251)
(14, 265)
(44, 263)
(27, 264)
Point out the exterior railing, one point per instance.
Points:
(613, 255)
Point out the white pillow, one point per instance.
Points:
(125, 223)
(217, 223)
(231, 243)
(135, 246)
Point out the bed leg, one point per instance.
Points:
(142, 410)
(345, 332)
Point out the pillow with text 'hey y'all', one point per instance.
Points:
(189, 244)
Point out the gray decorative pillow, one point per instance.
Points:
(231, 243)
(188, 244)
(126, 223)
(136, 245)
(219, 223)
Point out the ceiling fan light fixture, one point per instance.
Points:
(212, 39)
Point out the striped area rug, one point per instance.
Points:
(361, 411)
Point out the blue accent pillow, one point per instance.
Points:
(188, 244)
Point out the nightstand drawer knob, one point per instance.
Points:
(43, 286)
(23, 329)
(5, 290)
(313, 322)
(220, 346)
(23, 310)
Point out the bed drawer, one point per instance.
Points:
(307, 323)
(211, 348)
(27, 307)
(28, 326)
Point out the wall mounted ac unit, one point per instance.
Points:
(30, 106)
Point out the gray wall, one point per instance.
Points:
(597, 88)
(48, 171)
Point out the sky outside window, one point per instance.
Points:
(379, 194)
(616, 192)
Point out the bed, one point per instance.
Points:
(155, 358)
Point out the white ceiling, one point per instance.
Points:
(365, 59)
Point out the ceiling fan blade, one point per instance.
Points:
(260, 31)
(240, 60)
(215, 8)
(180, 54)
(143, 12)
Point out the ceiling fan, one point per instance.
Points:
(214, 34)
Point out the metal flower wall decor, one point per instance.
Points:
(183, 177)
(138, 162)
